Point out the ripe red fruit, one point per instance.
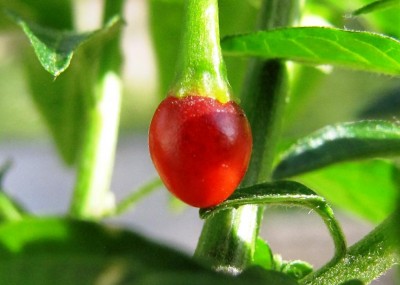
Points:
(200, 147)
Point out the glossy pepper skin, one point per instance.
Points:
(200, 147)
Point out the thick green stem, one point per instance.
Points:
(266, 94)
(201, 69)
(228, 239)
(222, 241)
(366, 260)
(92, 196)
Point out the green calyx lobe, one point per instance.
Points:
(201, 70)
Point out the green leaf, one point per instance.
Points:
(396, 229)
(263, 255)
(384, 107)
(244, 21)
(63, 251)
(376, 6)
(340, 142)
(252, 276)
(49, 13)
(366, 189)
(287, 193)
(353, 282)
(317, 45)
(166, 16)
(55, 48)
(297, 268)
(63, 102)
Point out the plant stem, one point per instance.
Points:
(228, 238)
(201, 69)
(136, 196)
(366, 260)
(9, 210)
(265, 94)
(91, 195)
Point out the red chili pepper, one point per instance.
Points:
(200, 147)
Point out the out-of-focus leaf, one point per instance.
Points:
(317, 45)
(305, 80)
(376, 6)
(205, 278)
(244, 21)
(49, 13)
(55, 48)
(166, 16)
(62, 102)
(384, 107)
(341, 142)
(396, 230)
(62, 251)
(366, 189)
(384, 21)
(288, 193)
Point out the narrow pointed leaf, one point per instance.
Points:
(287, 193)
(320, 45)
(376, 6)
(341, 142)
(54, 48)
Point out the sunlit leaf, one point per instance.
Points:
(263, 255)
(55, 48)
(320, 45)
(296, 268)
(341, 142)
(366, 189)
